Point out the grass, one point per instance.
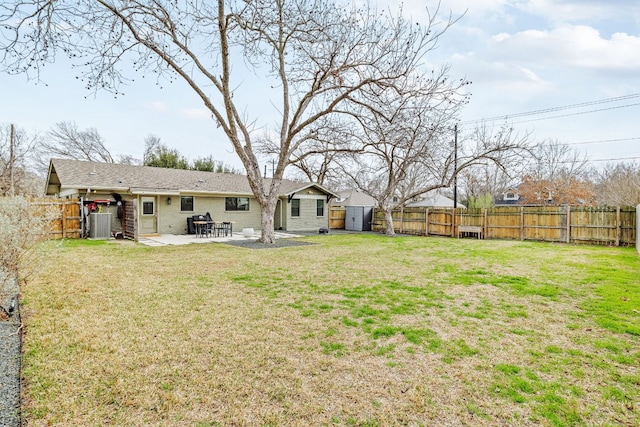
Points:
(357, 330)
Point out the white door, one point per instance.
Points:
(148, 216)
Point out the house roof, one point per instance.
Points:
(433, 199)
(79, 174)
(354, 197)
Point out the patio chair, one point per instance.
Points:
(202, 230)
(220, 229)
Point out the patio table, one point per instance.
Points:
(203, 228)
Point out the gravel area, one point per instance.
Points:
(10, 340)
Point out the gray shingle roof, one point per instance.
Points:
(353, 197)
(83, 174)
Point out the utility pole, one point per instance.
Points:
(12, 188)
(455, 166)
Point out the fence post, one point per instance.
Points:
(63, 209)
(453, 222)
(426, 221)
(568, 224)
(638, 228)
(485, 225)
(401, 219)
(521, 222)
(618, 226)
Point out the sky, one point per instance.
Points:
(578, 58)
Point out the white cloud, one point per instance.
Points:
(568, 11)
(578, 46)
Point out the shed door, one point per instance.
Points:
(148, 216)
(353, 218)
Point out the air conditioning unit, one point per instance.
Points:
(100, 225)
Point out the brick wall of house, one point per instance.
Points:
(173, 221)
(308, 219)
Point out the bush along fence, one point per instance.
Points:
(615, 226)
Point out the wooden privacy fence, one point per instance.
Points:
(337, 217)
(66, 220)
(597, 225)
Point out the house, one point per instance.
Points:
(148, 200)
(509, 198)
(433, 199)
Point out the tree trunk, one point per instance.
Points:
(389, 221)
(267, 215)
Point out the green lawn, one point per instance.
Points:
(355, 330)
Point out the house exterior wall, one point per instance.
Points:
(308, 219)
(285, 213)
(173, 221)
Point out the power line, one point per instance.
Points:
(600, 141)
(564, 107)
(578, 114)
(616, 159)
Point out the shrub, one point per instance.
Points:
(23, 228)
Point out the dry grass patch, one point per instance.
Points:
(356, 330)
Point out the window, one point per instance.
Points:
(147, 208)
(510, 196)
(319, 207)
(295, 207)
(186, 204)
(236, 203)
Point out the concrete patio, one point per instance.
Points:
(185, 239)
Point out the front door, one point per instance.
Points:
(148, 216)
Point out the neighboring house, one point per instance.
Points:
(433, 199)
(508, 198)
(353, 197)
(149, 200)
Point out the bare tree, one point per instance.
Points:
(320, 149)
(65, 140)
(409, 143)
(126, 159)
(619, 185)
(316, 54)
(16, 173)
(484, 182)
(557, 175)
